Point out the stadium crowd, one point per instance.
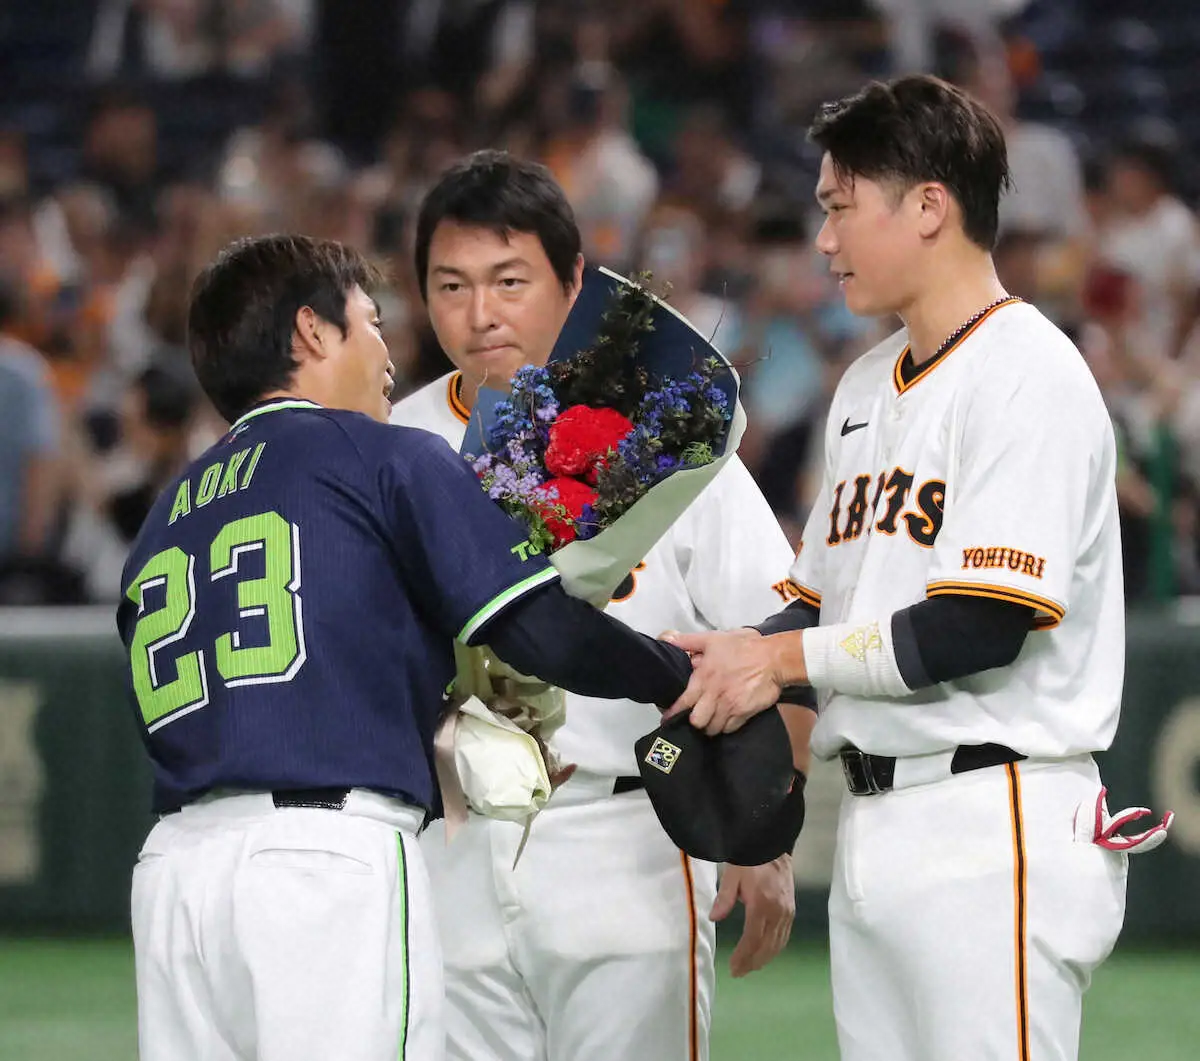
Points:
(139, 136)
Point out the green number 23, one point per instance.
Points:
(275, 597)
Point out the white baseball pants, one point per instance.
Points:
(291, 934)
(966, 916)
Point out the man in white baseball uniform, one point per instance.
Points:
(961, 613)
(599, 944)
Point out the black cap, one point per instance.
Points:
(730, 798)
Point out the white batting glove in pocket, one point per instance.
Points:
(1094, 824)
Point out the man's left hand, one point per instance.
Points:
(769, 894)
(732, 678)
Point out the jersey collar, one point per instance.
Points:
(454, 397)
(905, 375)
(272, 407)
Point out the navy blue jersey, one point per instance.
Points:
(291, 602)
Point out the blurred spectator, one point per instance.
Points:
(677, 53)
(268, 169)
(610, 184)
(371, 55)
(117, 490)
(795, 323)
(677, 129)
(424, 140)
(1151, 237)
(120, 151)
(14, 164)
(254, 35)
(709, 172)
(156, 416)
(802, 55)
(468, 47)
(178, 39)
(1046, 202)
(1016, 258)
(674, 252)
(913, 26)
(23, 263)
(69, 225)
(29, 440)
(164, 38)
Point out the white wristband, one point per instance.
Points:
(855, 658)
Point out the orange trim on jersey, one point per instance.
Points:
(1019, 911)
(632, 576)
(941, 355)
(1054, 613)
(454, 397)
(810, 596)
(693, 971)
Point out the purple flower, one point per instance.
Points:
(588, 524)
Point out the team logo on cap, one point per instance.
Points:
(663, 755)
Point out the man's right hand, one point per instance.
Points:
(733, 678)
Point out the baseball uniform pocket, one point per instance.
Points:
(316, 860)
(317, 841)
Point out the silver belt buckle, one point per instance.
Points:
(864, 774)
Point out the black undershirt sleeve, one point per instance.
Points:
(939, 639)
(568, 643)
(950, 636)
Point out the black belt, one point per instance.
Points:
(320, 798)
(868, 775)
(627, 784)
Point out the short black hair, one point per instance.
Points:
(493, 190)
(243, 311)
(920, 128)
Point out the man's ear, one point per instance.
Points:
(307, 335)
(576, 278)
(934, 204)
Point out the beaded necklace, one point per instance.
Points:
(909, 367)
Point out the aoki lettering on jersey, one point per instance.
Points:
(217, 480)
(1003, 556)
(852, 513)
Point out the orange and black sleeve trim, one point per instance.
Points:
(810, 596)
(454, 397)
(1048, 613)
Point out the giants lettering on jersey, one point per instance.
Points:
(921, 520)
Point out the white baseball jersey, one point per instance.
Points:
(722, 565)
(989, 471)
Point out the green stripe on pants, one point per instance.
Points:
(402, 874)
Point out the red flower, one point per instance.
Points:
(572, 495)
(580, 439)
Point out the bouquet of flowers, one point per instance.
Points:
(598, 453)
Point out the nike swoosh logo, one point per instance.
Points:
(847, 427)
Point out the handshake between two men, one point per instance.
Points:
(735, 675)
(725, 771)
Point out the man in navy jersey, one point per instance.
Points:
(290, 608)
